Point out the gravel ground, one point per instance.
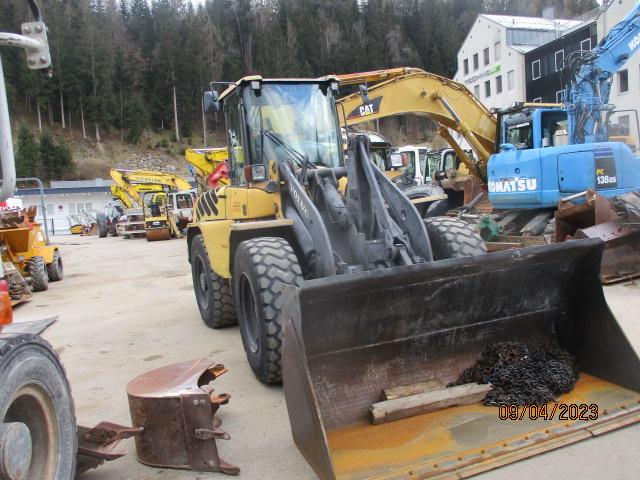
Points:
(126, 306)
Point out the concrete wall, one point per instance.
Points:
(502, 60)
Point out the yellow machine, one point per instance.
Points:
(171, 191)
(341, 290)
(209, 165)
(159, 221)
(410, 90)
(23, 243)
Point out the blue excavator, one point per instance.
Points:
(551, 171)
(559, 165)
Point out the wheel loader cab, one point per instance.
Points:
(270, 120)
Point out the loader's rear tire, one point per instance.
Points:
(103, 227)
(38, 272)
(438, 208)
(213, 293)
(35, 394)
(55, 270)
(450, 237)
(262, 267)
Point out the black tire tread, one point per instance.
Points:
(223, 313)
(274, 264)
(10, 343)
(38, 272)
(54, 273)
(453, 238)
(101, 223)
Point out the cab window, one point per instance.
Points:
(410, 158)
(234, 139)
(423, 154)
(520, 135)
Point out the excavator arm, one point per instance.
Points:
(410, 90)
(122, 195)
(131, 184)
(209, 165)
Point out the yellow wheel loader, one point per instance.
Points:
(341, 290)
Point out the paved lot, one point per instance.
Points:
(127, 306)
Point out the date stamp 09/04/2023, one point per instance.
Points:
(559, 411)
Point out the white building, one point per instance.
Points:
(66, 198)
(491, 60)
(625, 89)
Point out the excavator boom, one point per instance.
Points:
(209, 166)
(410, 90)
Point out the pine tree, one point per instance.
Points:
(27, 155)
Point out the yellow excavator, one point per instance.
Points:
(209, 167)
(342, 291)
(560, 204)
(400, 91)
(158, 204)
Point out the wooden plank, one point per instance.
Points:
(500, 246)
(413, 389)
(403, 407)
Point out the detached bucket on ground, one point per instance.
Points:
(349, 337)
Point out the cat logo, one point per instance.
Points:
(366, 109)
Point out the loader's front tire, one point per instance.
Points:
(55, 270)
(213, 293)
(38, 273)
(262, 267)
(37, 419)
(450, 237)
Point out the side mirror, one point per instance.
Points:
(211, 101)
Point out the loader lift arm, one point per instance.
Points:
(410, 90)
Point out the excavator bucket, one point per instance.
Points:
(349, 337)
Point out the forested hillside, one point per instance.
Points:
(123, 67)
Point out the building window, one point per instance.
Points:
(476, 91)
(497, 51)
(585, 44)
(476, 63)
(50, 209)
(72, 209)
(560, 96)
(499, 84)
(623, 81)
(88, 207)
(535, 70)
(466, 66)
(559, 60)
(487, 88)
(537, 100)
(485, 54)
(511, 79)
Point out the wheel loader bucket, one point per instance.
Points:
(349, 337)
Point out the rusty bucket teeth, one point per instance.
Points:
(176, 408)
(156, 234)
